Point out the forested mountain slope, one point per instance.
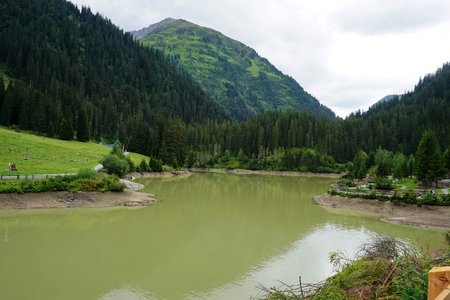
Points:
(400, 122)
(72, 69)
(244, 83)
(395, 125)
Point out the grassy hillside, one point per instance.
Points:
(49, 156)
(234, 74)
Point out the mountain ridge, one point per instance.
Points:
(241, 81)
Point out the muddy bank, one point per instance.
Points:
(75, 199)
(135, 175)
(262, 172)
(414, 215)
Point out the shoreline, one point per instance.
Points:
(265, 172)
(127, 198)
(166, 174)
(437, 217)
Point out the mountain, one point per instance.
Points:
(241, 81)
(398, 124)
(71, 69)
(384, 99)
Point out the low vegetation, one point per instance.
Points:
(34, 154)
(384, 269)
(86, 180)
(295, 159)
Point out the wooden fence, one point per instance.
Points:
(439, 284)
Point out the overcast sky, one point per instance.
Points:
(346, 53)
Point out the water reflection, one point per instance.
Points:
(212, 236)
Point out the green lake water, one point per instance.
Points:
(212, 236)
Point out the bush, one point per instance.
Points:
(346, 183)
(87, 173)
(143, 166)
(383, 183)
(115, 165)
(131, 166)
(116, 186)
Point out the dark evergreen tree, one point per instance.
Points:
(82, 126)
(360, 165)
(429, 163)
(66, 132)
(447, 160)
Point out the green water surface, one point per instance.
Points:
(212, 236)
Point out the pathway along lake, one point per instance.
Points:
(212, 236)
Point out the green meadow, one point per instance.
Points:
(34, 154)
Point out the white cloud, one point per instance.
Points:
(346, 53)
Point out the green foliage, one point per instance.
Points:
(155, 165)
(400, 166)
(383, 183)
(360, 165)
(130, 162)
(429, 163)
(383, 161)
(84, 69)
(82, 126)
(384, 269)
(115, 165)
(87, 173)
(116, 186)
(173, 148)
(346, 183)
(303, 159)
(66, 132)
(244, 83)
(447, 160)
(81, 182)
(143, 166)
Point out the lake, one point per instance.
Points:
(212, 236)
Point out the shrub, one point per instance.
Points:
(143, 166)
(346, 183)
(383, 183)
(115, 165)
(87, 173)
(116, 186)
(131, 166)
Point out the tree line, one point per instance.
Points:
(76, 75)
(68, 73)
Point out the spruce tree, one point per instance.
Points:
(66, 132)
(2, 91)
(360, 165)
(82, 126)
(447, 160)
(429, 163)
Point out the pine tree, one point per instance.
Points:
(82, 126)
(383, 160)
(429, 163)
(360, 164)
(66, 132)
(2, 91)
(447, 159)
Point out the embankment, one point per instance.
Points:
(414, 215)
(74, 199)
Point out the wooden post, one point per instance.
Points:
(439, 284)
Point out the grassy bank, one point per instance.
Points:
(384, 269)
(49, 156)
(86, 180)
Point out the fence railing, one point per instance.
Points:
(439, 284)
(32, 176)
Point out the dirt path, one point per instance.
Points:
(75, 199)
(421, 216)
